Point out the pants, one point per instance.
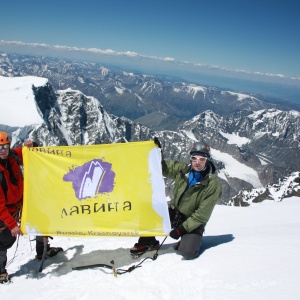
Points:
(40, 245)
(6, 241)
(189, 245)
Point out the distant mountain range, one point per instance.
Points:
(274, 85)
(160, 103)
(254, 143)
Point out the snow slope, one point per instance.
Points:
(247, 253)
(18, 107)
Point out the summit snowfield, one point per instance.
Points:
(17, 101)
(247, 253)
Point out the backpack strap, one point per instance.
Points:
(3, 184)
(18, 205)
(14, 154)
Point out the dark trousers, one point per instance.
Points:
(40, 245)
(6, 241)
(189, 245)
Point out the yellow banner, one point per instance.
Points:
(94, 191)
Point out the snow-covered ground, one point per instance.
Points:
(17, 102)
(247, 253)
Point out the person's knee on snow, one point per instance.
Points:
(190, 245)
(188, 253)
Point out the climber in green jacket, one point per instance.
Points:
(196, 192)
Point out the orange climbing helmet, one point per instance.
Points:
(4, 138)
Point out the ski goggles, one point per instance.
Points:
(5, 146)
(201, 159)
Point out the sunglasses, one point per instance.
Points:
(5, 146)
(201, 159)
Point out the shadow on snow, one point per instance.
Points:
(213, 241)
(72, 257)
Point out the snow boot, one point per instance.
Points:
(52, 251)
(144, 245)
(4, 278)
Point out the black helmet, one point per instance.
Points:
(200, 149)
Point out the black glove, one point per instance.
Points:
(177, 232)
(157, 142)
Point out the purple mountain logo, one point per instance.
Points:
(94, 177)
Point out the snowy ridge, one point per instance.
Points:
(233, 168)
(17, 101)
(240, 96)
(286, 187)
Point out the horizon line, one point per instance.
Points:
(132, 54)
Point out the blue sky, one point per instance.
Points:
(253, 36)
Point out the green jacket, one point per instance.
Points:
(198, 201)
